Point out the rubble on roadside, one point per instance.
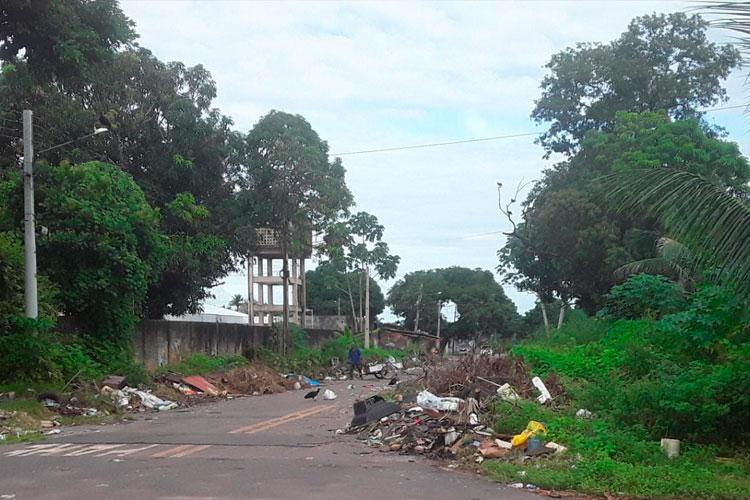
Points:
(452, 417)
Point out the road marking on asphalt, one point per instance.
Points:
(80, 450)
(194, 449)
(275, 422)
(169, 452)
(181, 451)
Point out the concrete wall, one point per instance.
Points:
(323, 322)
(158, 342)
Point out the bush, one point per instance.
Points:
(685, 375)
(604, 458)
(201, 364)
(31, 352)
(643, 296)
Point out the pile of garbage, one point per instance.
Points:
(444, 427)
(457, 424)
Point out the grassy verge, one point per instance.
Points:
(602, 459)
(644, 380)
(314, 361)
(201, 364)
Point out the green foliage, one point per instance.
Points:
(309, 361)
(572, 240)
(643, 296)
(31, 352)
(99, 222)
(12, 281)
(329, 289)
(483, 308)
(645, 69)
(685, 373)
(713, 222)
(69, 50)
(201, 364)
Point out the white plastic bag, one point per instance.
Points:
(507, 393)
(545, 395)
(426, 399)
(329, 394)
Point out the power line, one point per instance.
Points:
(480, 139)
(435, 144)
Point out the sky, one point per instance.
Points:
(382, 74)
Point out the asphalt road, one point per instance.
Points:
(270, 447)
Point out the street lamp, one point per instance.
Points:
(29, 237)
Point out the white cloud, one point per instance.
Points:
(370, 75)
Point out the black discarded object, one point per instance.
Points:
(312, 394)
(372, 409)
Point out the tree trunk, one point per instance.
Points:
(544, 315)
(367, 307)
(561, 316)
(351, 302)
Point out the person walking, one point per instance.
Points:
(355, 361)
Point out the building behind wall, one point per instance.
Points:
(264, 276)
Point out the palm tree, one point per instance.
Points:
(713, 224)
(236, 302)
(673, 260)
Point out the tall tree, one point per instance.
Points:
(355, 245)
(662, 62)
(63, 40)
(713, 223)
(103, 247)
(290, 185)
(236, 302)
(329, 292)
(163, 132)
(572, 241)
(482, 308)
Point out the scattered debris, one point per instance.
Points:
(116, 396)
(201, 384)
(148, 400)
(114, 381)
(372, 409)
(582, 413)
(544, 395)
(532, 428)
(507, 393)
(670, 447)
(329, 395)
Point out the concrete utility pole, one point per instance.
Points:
(29, 235)
(440, 313)
(419, 305)
(367, 307)
(29, 231)
(250, 271)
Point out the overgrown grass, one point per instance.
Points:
(311, 361)
(605, 459)
(201, 364)
(683, 376)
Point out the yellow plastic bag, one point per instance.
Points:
(532, 428)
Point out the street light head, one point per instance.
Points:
(100, 130)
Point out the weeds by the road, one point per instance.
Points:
(201, 364)
(680, 376)
(604, 459)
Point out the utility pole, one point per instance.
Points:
(250, 311)
(367, 306)
(29, 236)
(440, 309)
(419, 304)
